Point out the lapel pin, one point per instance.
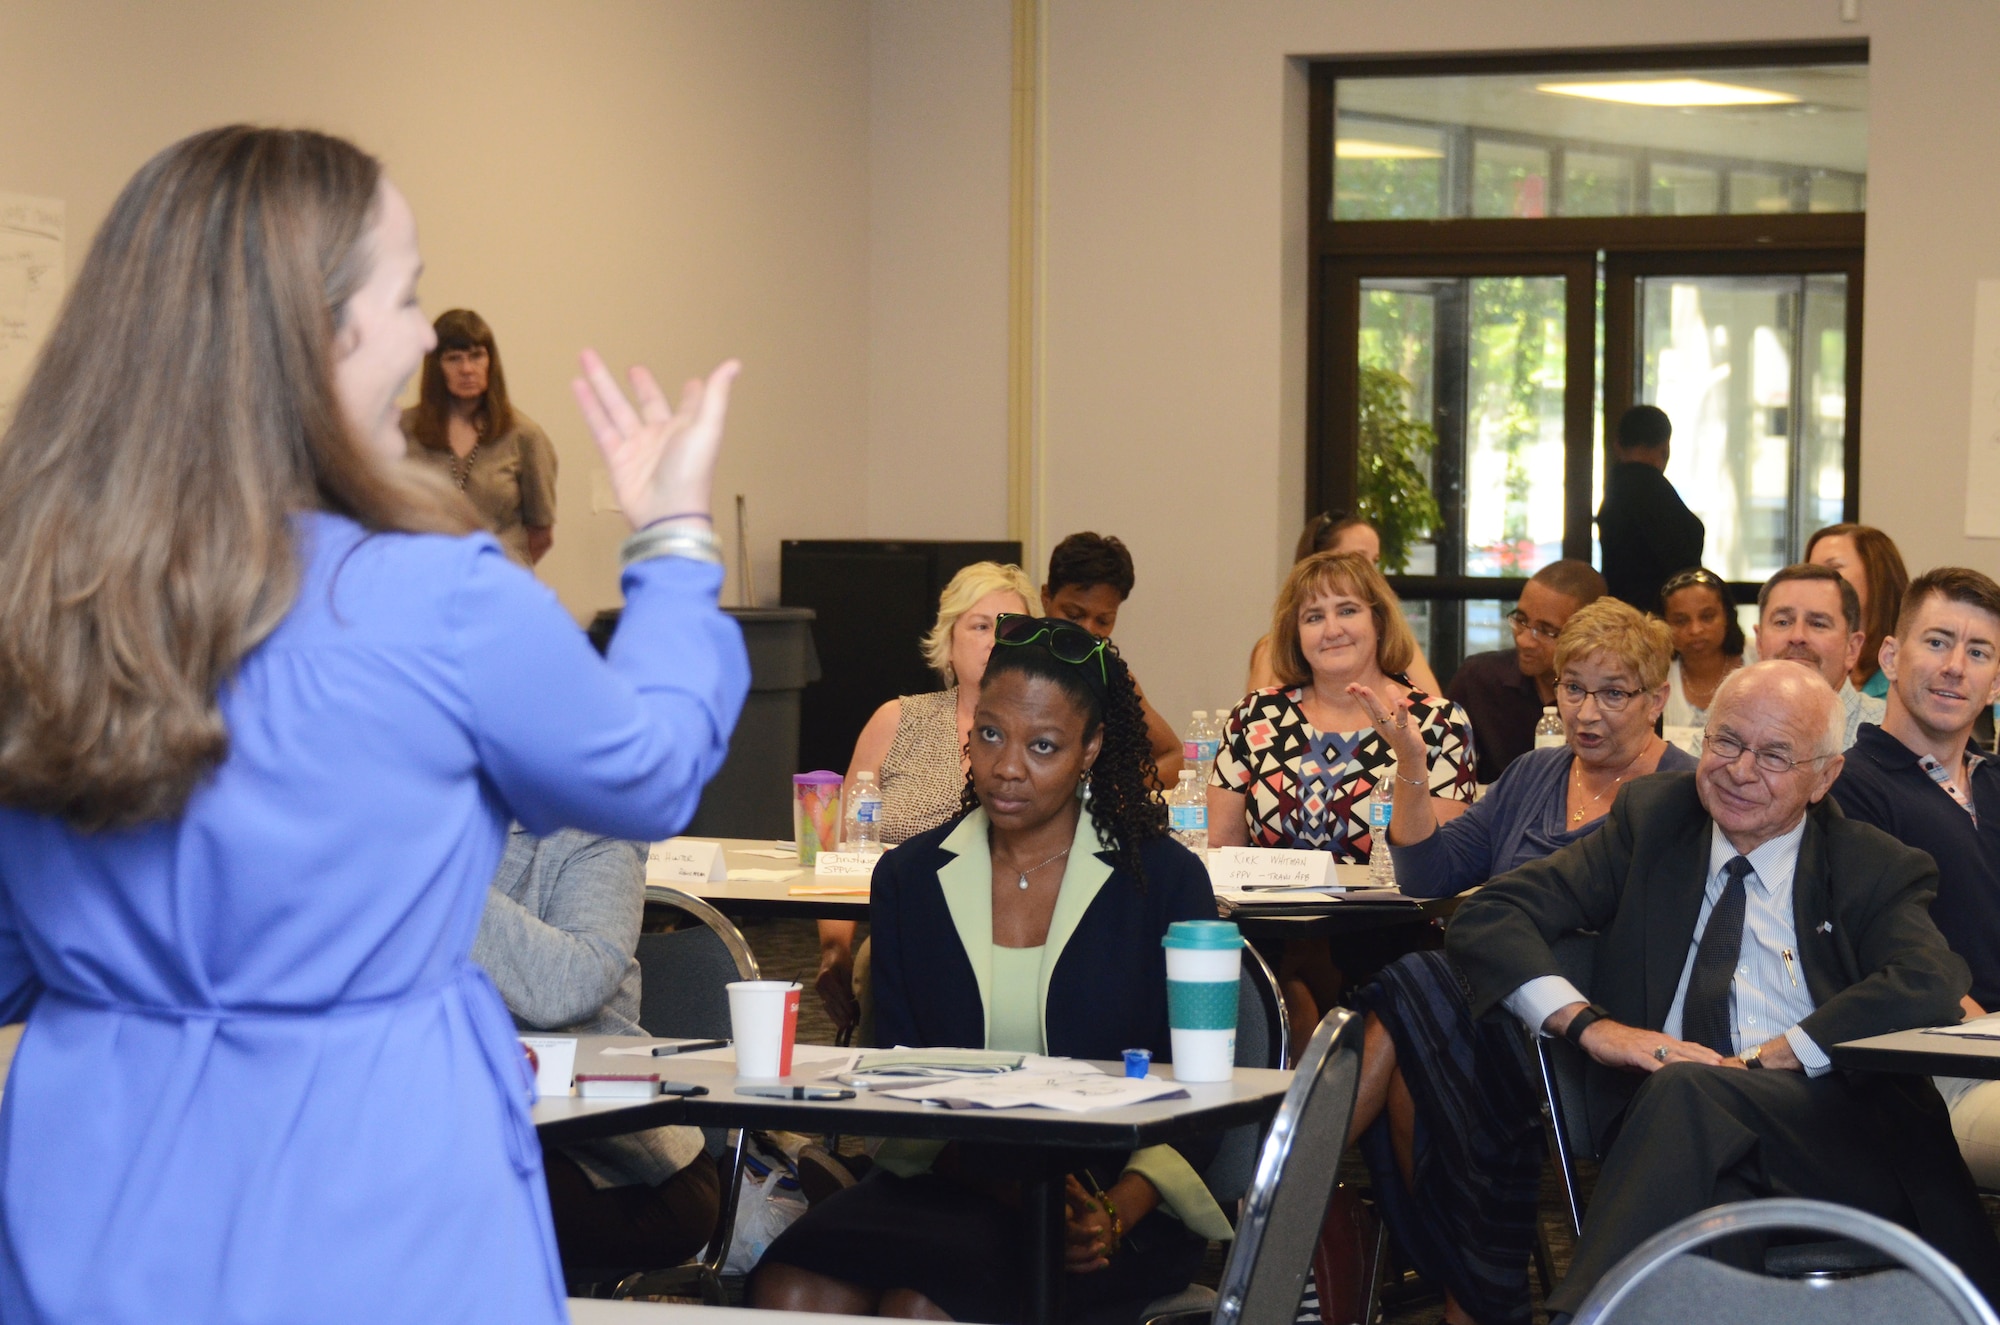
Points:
(1825, 927)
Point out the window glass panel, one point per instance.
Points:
(1509, 179)
(1685, 191)
(1755, 191)
(1729, 358)
(1680, 132)
(1513, 520)
(1597, 184)
(1385, 170)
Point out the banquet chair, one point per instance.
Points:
(1265, 1273)
(1668, 1279)
(683, 995)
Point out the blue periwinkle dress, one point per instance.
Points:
(262, 1079)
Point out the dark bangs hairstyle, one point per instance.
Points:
(461, 329)
(1123, 806)
(181, 415)
(1087, 560)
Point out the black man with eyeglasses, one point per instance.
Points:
(1743, 924)
(1505, 691)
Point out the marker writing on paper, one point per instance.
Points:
(796, 1092)
(664, 1050)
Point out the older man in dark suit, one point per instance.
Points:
(1742, 923)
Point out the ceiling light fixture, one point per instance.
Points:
(1671, 92)
(1367, 149)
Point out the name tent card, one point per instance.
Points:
(846, 864)
(1253, 868)
(686, 860)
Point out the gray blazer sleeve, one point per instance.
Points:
(558, 936)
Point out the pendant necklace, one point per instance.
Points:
(1577, 777)
(1022, 883)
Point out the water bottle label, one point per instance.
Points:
(1187, 818)
(1379, 813)
(1190, 750)
(867, 812)
(1207, 750)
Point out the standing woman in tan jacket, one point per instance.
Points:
(464, 424)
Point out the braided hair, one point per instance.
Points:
(1123, 806)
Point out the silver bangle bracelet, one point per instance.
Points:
(666, 542)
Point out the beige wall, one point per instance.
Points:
(672, 182)
(1175, 322)
(938, 190)
(821, 187)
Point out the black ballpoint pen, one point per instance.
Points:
(667, 1050)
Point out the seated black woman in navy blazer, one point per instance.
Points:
(1031, 923)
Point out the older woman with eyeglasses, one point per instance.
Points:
(1448, 1116)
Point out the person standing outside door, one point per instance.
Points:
(1646, 530)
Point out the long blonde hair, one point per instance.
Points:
(183, 412)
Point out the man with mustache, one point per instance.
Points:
(1917, 778)
(1809, 614)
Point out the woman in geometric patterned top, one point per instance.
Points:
(1299, 760)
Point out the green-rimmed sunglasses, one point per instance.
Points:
(1067, 641)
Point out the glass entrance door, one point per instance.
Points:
(1752, 370)
(1461, 406)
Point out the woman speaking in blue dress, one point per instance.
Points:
(266, 707)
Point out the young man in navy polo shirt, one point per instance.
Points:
(1917, 778)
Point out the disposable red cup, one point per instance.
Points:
(764, 1021)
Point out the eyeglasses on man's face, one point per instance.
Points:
(1729, 749)
(1540, 629)
(1611, 699)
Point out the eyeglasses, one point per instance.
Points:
(1611, 699)
(1729, 749)
(1539, 629)
(1067, 642)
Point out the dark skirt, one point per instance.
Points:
(962, 1249)
(1469, 1224)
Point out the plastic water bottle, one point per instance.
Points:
(864, 814)
(1211, 739)
(1381, 807)
(1549, 731)
(1187, 812)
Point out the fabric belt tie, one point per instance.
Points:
(1705, 1017)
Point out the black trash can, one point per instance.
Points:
(752, 795)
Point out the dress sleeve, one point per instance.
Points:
(620, 746)
(1457, 855)
(538, 479)
(1448, 736)
(1232, 757)
(20, 986)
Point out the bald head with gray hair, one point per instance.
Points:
(1796, 683)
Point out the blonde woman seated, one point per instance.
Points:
(1299, 760)
(1448, 1115)
(915, 746)
(1329, 533)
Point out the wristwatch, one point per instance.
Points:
(1582, 1022)
(1753, 1056)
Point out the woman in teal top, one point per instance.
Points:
(1026, 924)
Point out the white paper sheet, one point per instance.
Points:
(761, 876)
(1067, 1090)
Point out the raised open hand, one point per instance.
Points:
(1396, 728)
(661, 459)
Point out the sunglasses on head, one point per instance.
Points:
(1066, 641)
(1689, 578)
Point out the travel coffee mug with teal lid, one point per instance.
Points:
(1203, 961)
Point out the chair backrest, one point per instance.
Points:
(1662, 1281)
(682, 974)
(1263, 1038)
(1265, 1274)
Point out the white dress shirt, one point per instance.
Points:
(1768, 995)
